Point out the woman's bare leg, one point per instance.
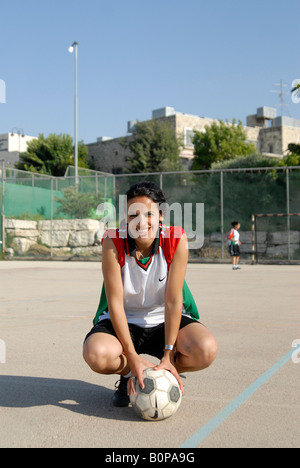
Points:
(104, 354)
(196, 348)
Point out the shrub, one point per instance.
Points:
(77, 205)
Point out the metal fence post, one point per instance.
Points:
(114, 190)
(253, 219)
(51, 221)
(222, 211)
(3, 207)
(288, 211)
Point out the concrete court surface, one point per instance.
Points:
(50, 398)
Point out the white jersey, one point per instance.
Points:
(145, 280)
(234, 237)
(144, 290)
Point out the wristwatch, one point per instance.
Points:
(169, 347)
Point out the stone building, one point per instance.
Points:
(12, 144)
(274, 133)
(270, 134)
(109, 154)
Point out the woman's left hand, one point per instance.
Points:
(167, 364)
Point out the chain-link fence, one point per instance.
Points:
(47, 217)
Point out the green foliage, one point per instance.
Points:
(294, 148)
(255, 160)
(78, 205)
(155, 148)
(26, 216)
(293, 158)
(251, 161)
(221, 141)
(244, 192)
(52, 155)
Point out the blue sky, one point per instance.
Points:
(213, 58)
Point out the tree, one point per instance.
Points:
(52, 155)
(220, 141)
(293, 157)
(155, 147)
(77, 205)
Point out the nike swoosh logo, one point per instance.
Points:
(160, 280)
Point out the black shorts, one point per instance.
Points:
(149, 341)
(234, 250)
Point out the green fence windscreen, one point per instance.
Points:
(227, 195)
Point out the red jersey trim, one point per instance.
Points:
(170, 237)
(169, 241)
(119, 242)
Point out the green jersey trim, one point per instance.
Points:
(189, 303)
(103, 306)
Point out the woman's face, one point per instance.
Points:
(143, 219)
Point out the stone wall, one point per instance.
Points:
(270, 141)
(83, 237)
(65, 237)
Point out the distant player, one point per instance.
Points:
(234, 244)
(146, 306)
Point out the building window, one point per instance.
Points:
(188, 137)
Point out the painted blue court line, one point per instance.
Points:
(215, 422)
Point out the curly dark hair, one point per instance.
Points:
(146, 189)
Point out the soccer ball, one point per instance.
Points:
(160, 398)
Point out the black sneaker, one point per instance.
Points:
(120, 398)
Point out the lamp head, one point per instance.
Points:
(71, 48)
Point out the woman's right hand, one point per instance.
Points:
(137, 366)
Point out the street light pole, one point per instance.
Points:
(74, 48)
